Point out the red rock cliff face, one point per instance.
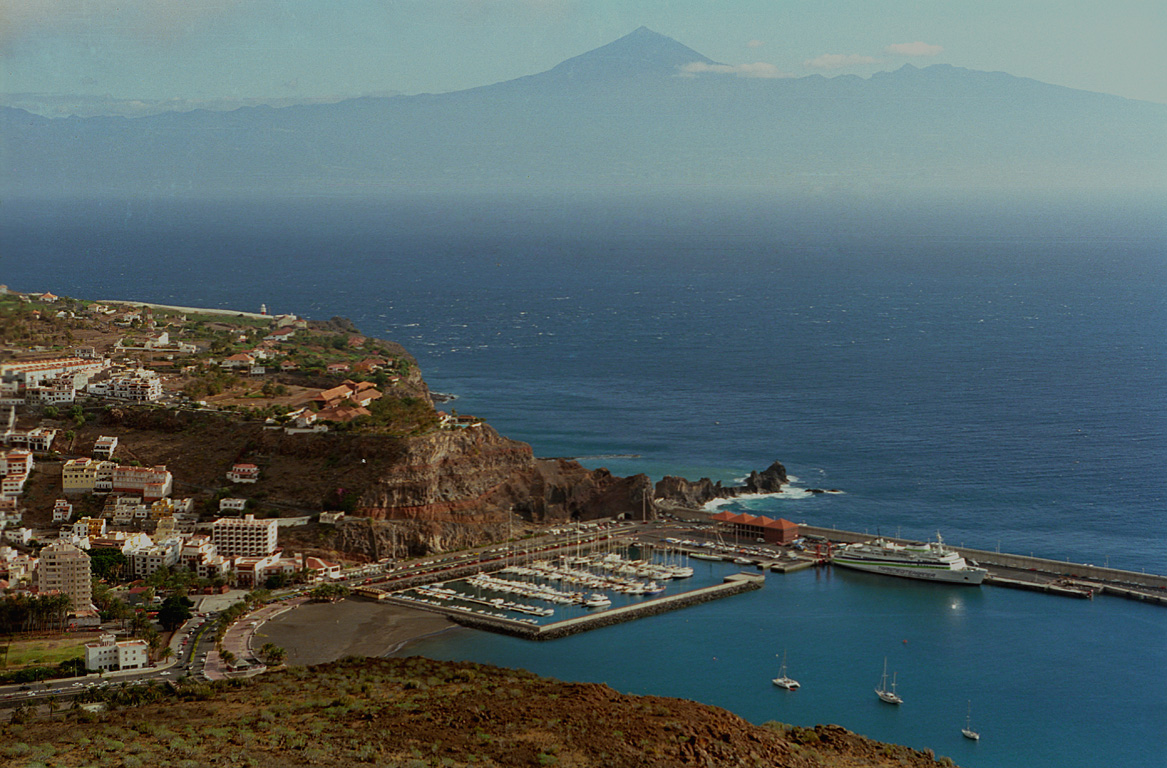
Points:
(477, 476)
(447, 475)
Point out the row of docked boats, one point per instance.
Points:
(434, 601)
(577, 577)
(447, 594)
(616, 563)
(537, 591)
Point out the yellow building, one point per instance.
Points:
(86, 476)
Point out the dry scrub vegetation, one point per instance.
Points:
(416, 712)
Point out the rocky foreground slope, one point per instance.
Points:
(418, 712)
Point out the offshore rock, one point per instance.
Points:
(694, 494)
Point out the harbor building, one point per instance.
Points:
(753, 528)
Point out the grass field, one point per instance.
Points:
(45, 652)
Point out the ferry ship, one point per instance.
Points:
(932, 561)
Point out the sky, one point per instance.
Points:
(85, 56)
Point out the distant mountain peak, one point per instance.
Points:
(641, 51)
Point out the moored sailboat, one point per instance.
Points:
(967, 730)
(782, 681)
(888, 694)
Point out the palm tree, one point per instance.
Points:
(272, 654)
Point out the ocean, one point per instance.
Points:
(992, 369)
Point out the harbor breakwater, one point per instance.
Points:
(1099, 578)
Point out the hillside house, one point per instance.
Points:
(243, 473)
(104, 447)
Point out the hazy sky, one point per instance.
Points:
(195, 50)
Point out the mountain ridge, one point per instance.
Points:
(622, 114)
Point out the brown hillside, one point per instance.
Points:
(417, 712)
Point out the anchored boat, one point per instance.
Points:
(885, 693)
(967, 730)
(782, 681)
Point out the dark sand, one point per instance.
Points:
(318, 632)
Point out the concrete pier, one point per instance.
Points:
(734, 584)
(1037, 573)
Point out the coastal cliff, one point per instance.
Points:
(438, 491)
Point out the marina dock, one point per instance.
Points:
(732, 585)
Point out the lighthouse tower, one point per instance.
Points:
(263, 309)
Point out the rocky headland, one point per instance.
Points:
(441, 490)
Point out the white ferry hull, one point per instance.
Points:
(970, 576)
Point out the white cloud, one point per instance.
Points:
(758, 69)
(838, 61)
(755, 44)
(914, 49)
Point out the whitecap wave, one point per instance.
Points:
(786, 493)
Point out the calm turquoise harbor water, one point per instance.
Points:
(1047, 684)
(992, 369)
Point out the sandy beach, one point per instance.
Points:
(318, 632)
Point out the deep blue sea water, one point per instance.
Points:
(992, 369)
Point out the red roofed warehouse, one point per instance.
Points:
(772, 531)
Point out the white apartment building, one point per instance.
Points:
(112, 654)
(34, 373)
(15, 466)
(38, 439)
(62, 511)
(151, 483)
(57, 391)
(144, 561)
(65, 568)
(140, 388)
(104, 447)
(246, 536)
(232, 505)
(18, 535)
(243, 473)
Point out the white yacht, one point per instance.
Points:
(597, 600)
